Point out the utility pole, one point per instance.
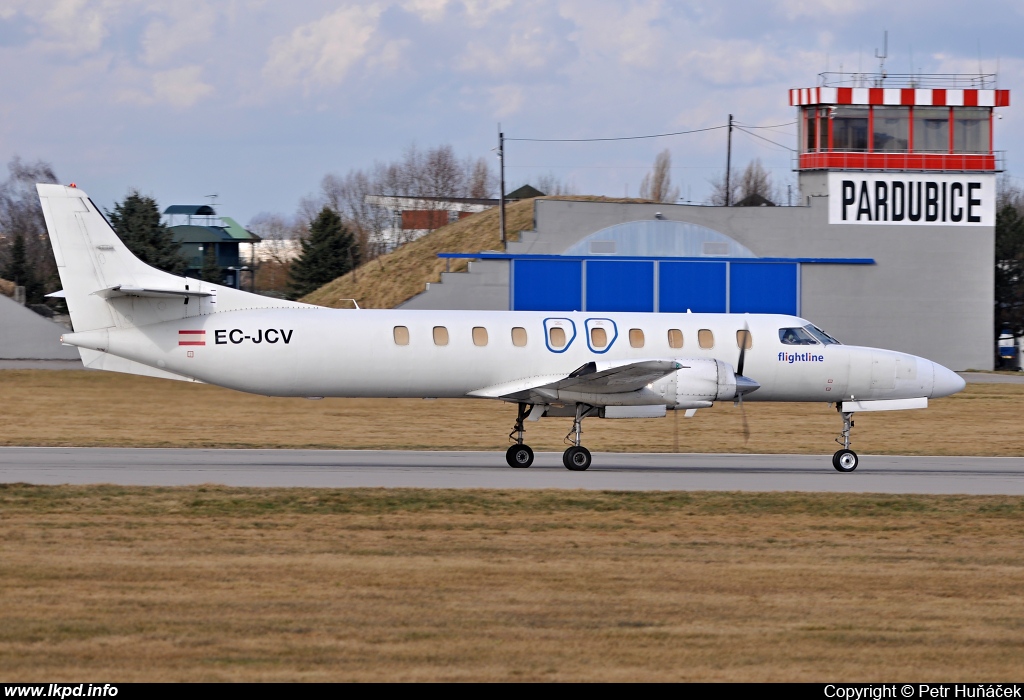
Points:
(728, 162)
(501, 194)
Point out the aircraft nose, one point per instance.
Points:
(945, 382)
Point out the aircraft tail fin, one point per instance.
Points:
(106, 286)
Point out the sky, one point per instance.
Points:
(256, 100)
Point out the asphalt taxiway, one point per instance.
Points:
(611, 471)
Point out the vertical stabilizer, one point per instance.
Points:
(91, 258)
(106, 286)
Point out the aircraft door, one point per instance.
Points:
(559, 334)
(601, 334)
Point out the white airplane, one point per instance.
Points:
(130, 317)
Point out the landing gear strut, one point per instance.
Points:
(577, 458)
(519, 455)
(845, 460)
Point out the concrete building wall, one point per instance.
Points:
(930, 292)
(25, 335)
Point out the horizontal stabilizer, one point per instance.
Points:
(885, 405)
(59, 294)
(125, 290)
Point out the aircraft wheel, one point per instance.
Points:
(576, 459)
(845, 460)
(520, 456)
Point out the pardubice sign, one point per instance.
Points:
(961, 199)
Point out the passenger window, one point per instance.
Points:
(556, 337)
(598, 337)
(401, 335)
(743, 339)
(705, 338)
(636, 338)
(519, 337)
(440, 335)
(479, 336)
(675, 338)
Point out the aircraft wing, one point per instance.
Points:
(592, 378)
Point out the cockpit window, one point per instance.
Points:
(796, 336)
(823, 337)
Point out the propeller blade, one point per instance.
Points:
(743, 348)
(746, 426)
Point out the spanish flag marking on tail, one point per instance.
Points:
(191, 337)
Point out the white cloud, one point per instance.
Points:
(180, 88)
(186, 24)
(479, 11)
(427, 10)
(527, 48)
(735, 63)
(65, 26)
(506, 100)
(795, 9)
(321, 53)
(633, 36)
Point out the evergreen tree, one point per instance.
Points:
(211, 271)
(136, 221)
(21, 273)
(329, 251)
(1009, 272)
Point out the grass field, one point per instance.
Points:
(107, 584)
(103, 409)
(104, 583)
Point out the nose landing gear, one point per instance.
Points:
(845, 460)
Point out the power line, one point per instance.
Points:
(624, 138)
(771, 126)
(652, 136)
(758, 136)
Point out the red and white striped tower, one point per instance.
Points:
(895, 130)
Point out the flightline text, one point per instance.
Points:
(792, 357)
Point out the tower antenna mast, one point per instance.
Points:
(881, 59)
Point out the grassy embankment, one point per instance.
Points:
(400, 275)
(102, 409)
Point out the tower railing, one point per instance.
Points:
(956, 81)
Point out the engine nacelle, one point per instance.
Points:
(697, 384)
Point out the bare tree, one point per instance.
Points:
(718, 194)
(553, 185)
(21, 219)
(657, 184)
(754, 180)
(483, 183)
(434, 175)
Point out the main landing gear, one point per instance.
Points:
(845, 460)
(577, 458)
(519, 455)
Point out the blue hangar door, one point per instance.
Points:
(559, 283)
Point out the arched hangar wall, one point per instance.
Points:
(929, 293)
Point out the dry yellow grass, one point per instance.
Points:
(102, 409)
(108, 584)
(400, 275)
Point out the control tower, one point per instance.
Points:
(900, 149)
